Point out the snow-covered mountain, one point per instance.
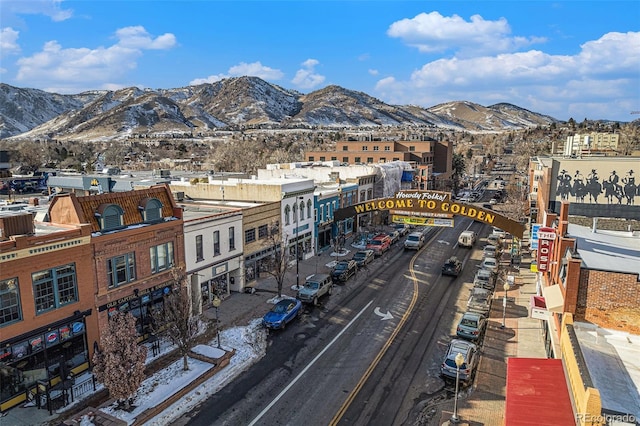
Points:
(233, 103)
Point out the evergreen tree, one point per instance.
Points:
(119, 365)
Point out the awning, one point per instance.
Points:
(553, 298)
(537, 393)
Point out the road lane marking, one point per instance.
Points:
(286, 389)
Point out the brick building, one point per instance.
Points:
(47, 308)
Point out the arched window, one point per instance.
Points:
(287, 211)
(150, 209)
(110, 217)
(308, 209)
(301, 210)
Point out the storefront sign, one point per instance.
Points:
(546, 237)
(65, 333)
(36, 344)
(77, 327)
(52, 338)
(162, 288)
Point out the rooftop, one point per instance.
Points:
(613, 361)
(607, 250)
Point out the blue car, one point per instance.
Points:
(282, 313)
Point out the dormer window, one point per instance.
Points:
(110, 217)
(151, 210)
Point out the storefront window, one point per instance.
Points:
(42, 356)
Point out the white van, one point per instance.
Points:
(467, 239)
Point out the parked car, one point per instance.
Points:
(282, 313)
(344, 270)
(315, 287)
(484, 279)
(414, 241)
(470, 355)
(379, 244)
(499, 232)
(491, 251)
(489, 263)
(401, 228)
(394, 235)
(495, 240)
(452, 266)
(363, 257)
(479, 300)
(471, 326)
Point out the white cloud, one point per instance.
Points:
(69, 69)
(306, 78)
(138, 38)
(373, 72)
(606, 68)
(432, 32)
(255, 69)
(50, 8)
(8, 41)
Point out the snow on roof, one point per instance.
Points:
(613, 361)
(607, 250)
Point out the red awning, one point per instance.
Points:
(537, 393)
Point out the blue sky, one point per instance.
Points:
(567, 59)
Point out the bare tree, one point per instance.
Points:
(278, 262)
(176, 321)
(119, 365)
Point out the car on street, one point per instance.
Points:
(499, 232)
(401, 228)
(484, 279)
(479, 300)
(344, 270)
(491, 251)
(414, 241)
(470, 357)
(489, 263)
(379, 244)
(363, 257)
(315, 286)
(282, 314)
(394, 235)
(452, 266)
(471, 326)
(494, 240)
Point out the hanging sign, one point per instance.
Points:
(546, 237)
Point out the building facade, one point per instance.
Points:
(48, 319)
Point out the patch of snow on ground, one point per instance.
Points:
(250, 344)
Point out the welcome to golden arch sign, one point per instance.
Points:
(432, 202)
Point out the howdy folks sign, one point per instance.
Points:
(432, 202)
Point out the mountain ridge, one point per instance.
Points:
(232, 104)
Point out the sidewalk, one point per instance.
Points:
(484, 402)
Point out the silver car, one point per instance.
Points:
(470, 355)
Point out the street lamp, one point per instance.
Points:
(216, 303)
(459, 359)
(506, 287)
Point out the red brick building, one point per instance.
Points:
(47, 305)
(137, 243)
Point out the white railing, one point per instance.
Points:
(83, 387)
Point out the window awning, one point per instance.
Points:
(553, 298)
